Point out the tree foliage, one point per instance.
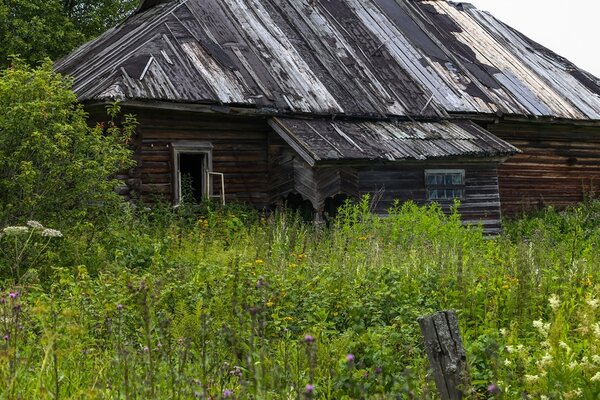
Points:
(52, 164)
(36, 29)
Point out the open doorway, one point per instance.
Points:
(192, 161)
(192, 175)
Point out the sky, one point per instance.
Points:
(570, 28)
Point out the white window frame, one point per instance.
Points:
(461, 187)
(191, 147)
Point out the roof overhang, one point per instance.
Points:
(320, 141)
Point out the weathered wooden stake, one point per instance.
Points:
(446, 354)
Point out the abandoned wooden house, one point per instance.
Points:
(315, 100)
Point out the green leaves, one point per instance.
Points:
(36, 29)
(52, 165)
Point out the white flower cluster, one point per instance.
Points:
(542, 328)
(592, 302)
(51, 233)
(554, 302)
(35, 225)
(15, 230)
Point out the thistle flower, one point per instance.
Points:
(350, 358)
(308, 339)
(309, 389)
(227, 393)
(13, 295)
(6, 337)
(493, 388)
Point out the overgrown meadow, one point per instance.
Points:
(228, 303)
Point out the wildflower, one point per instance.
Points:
(362, 238)
(35, 225)
(158, 346)
(52, 233)
(572, 365)
(15, 230)
(493, 389)
(308, 339)
(574, 394)
(259, 261)
(531, 378)
(13, 295)
(510, 349)
(596, 328)
(596, 358)
(545, 360)
(554, 302)
(120, 307)
(541, 327)
(544, 397)
(309, 389)
(288, 318)
(350, 358)
(596, 378)
(592, 303)
(378, 370)
(227, 393)
(503, 332)
(507, 363)
(146, 349)
(6, 337)
(236, 371)
(564, 346)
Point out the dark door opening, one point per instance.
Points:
(192, 176)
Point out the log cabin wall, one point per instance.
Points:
(481, 202)
(559, 166)
(239, 152)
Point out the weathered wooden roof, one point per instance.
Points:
(320, 140)
(419, 58)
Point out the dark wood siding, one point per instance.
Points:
(481, 202)
(559, 166)
(239, 152)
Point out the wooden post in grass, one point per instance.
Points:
(446, 354)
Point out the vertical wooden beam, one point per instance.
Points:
(446, 354)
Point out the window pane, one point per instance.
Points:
(457, 179)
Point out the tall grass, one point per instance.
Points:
(229, 303)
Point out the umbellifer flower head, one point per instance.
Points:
(51, 233)
(35, 225)
(15, 230)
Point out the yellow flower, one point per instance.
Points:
(363, 238)
(259, 261)
(269, 304)
(288, 318)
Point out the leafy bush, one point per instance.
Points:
(53, 167)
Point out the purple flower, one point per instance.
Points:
(13, 295)
(493, 388)
(378, 370)
(158, 346)
(120, 307)
(6, 337)
(309, 339)
(146, 349)
(350, 358)
(309, 389)
(227, 393)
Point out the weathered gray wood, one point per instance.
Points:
(446, 354)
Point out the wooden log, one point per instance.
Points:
(446, 354)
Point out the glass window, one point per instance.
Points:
(445, 184)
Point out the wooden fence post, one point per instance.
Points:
(446, 354)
